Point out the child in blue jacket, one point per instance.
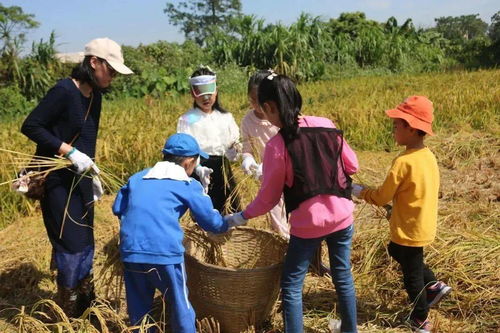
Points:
(149, 207)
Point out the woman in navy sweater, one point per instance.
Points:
(65, 123)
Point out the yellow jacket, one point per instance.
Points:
(413, 185)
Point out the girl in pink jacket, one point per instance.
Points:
(310, 163)
(256, 131)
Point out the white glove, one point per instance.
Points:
(258, 172)
(249, 165)
(233, 152)
(97, 187)
(356, 189)
(204, 174)
(81, 161)
(235, 220)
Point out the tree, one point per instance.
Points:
(13, 25)
(459, 28)
(197, 17)
(353, 24)
(494, 29)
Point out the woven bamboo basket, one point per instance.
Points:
(241, 288)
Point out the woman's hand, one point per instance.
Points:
(82, 162)
(97, 188)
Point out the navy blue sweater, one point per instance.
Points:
(150, 210)
(60, 116)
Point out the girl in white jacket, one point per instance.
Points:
(217, 133)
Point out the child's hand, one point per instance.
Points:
(249, 165)
(235, 220)
(356, 189)
(258, 172)
(204, 174)
(388, 211)
(233, 152)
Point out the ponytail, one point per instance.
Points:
(281, 90)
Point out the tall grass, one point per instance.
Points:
(305, 48)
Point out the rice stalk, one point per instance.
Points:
(211, 249)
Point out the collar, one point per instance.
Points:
(167, 170)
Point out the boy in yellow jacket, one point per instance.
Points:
(412, 185)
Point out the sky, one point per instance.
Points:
(132, 22)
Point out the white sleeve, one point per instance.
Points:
(234, 131)
(246, 139)
(182, 125)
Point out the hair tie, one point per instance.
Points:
(272, 75)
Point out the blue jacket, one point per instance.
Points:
(150, 209)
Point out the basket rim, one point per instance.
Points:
(238, 270)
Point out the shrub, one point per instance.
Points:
(14, 103)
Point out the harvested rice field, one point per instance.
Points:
(465, 253)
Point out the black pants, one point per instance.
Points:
(68, 215)
(222, 185)
(68, 211)
(416, 276)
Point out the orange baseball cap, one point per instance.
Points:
(417, 111)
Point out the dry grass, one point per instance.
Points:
(465, 255)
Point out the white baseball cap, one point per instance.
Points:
(108, 50)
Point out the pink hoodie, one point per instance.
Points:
(315, 217)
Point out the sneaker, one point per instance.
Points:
(420, 326)
(436, 292)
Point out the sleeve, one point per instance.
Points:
(385, 193)
(349, 159)
(273, 181)
(201, 207)
(183, 125)
(234, 131)
(35, 126)
(245, 138)
(121, 201)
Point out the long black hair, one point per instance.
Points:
(257, 78)
(205, 71)
(281, 90)
(84, 73)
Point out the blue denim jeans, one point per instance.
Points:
(298, 257)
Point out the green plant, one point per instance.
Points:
(14, 103)
(38, 72)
